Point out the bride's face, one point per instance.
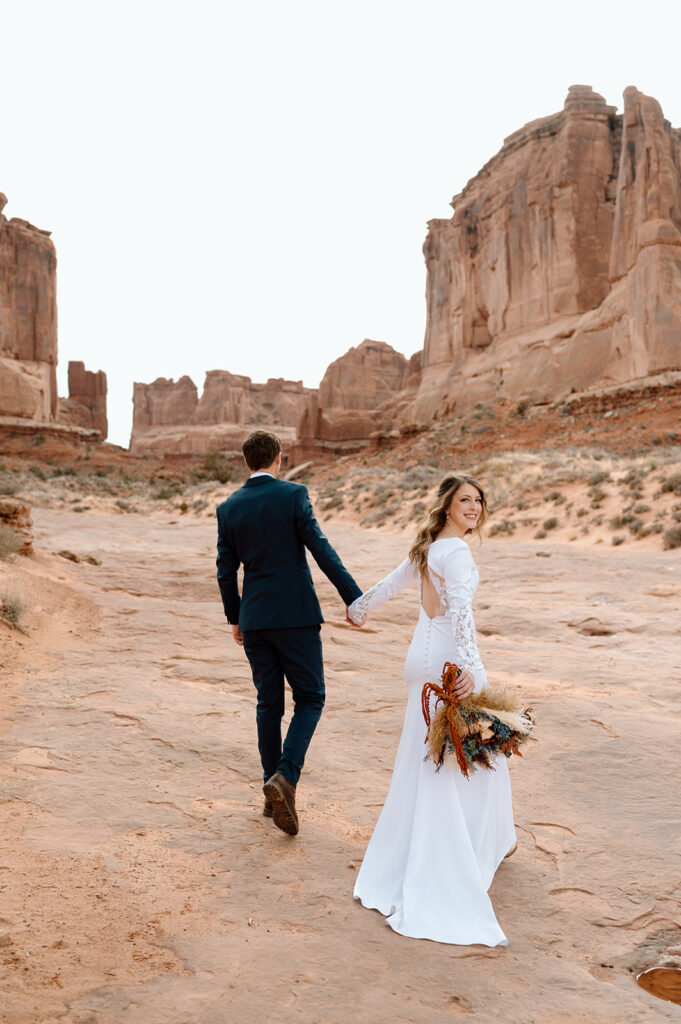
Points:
(465, 508)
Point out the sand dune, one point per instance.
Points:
(140, 882)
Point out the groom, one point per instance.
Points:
(266, 526)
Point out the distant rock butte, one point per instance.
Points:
(86, 404)
(170, 418)
(28, 337)
(347, 409)
(561, 266)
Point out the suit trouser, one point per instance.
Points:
(295, 655)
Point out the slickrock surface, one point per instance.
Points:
(170, 418)
(28, 320)
(561, 266)
(140, 882)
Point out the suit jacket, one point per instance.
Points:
(266, 525)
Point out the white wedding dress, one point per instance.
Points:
(440, 837)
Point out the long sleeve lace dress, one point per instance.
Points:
(440, 837)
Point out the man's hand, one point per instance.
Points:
(238, 637)
(357, 625)
(464, 685)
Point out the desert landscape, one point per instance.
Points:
(139, 880)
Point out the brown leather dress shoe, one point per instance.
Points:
(267, 809)
(282, 793)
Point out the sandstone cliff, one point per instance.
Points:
(561, 266)
(28, 320)
(169, 417)
(86, 404)
(347, 409)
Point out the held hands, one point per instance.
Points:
(238, 637)
(357, 625)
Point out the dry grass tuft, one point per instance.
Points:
(12, 608)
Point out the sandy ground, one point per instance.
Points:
(139, 881)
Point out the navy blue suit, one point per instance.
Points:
(266, 526)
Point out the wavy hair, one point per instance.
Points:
(437, 517)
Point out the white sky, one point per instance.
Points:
(246, 185)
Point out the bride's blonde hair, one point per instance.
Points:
(437, 517)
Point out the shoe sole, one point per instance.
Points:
(282, 815)
(267, 812)
(511, 851)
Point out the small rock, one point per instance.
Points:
(69, 555)
(91, 560)
(352, 865)
(543, 554)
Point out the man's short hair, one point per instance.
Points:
(260, 450)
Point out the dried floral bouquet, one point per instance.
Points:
(474, 729)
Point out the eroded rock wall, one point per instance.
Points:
(561, 266)
(86, 404)
(28, 321)
(170, 417)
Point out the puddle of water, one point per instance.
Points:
(663, 982)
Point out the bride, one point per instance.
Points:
(440, 837)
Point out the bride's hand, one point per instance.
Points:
(357, 625)
(464, 685)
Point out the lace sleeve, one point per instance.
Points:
(458, 568)
(397, 580)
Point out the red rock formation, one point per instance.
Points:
(163, 403)
(561, 266)
(28, 321)
(15, 514)
(169, 417)
(86, 404)
(348, 408)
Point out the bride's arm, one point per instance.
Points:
(457, 569)
(397, 580)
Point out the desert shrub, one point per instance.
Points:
(64, 471)
(216, 467)
(599, 477)
(597, 494)
(418, 510)
(169, 490)
(376, 518)
(522, 407)
(618, 539)
(635, 524)
(550, 524)
(12, 607)
(641, 508)
(506, 526)
(581, 512)
(672, 537)
(672, 484)
(8, 485)
(333, 501)
(38, 471)
(540, 534)
(10, 541)
(183, 507)
(199, 505)
(123, 506)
